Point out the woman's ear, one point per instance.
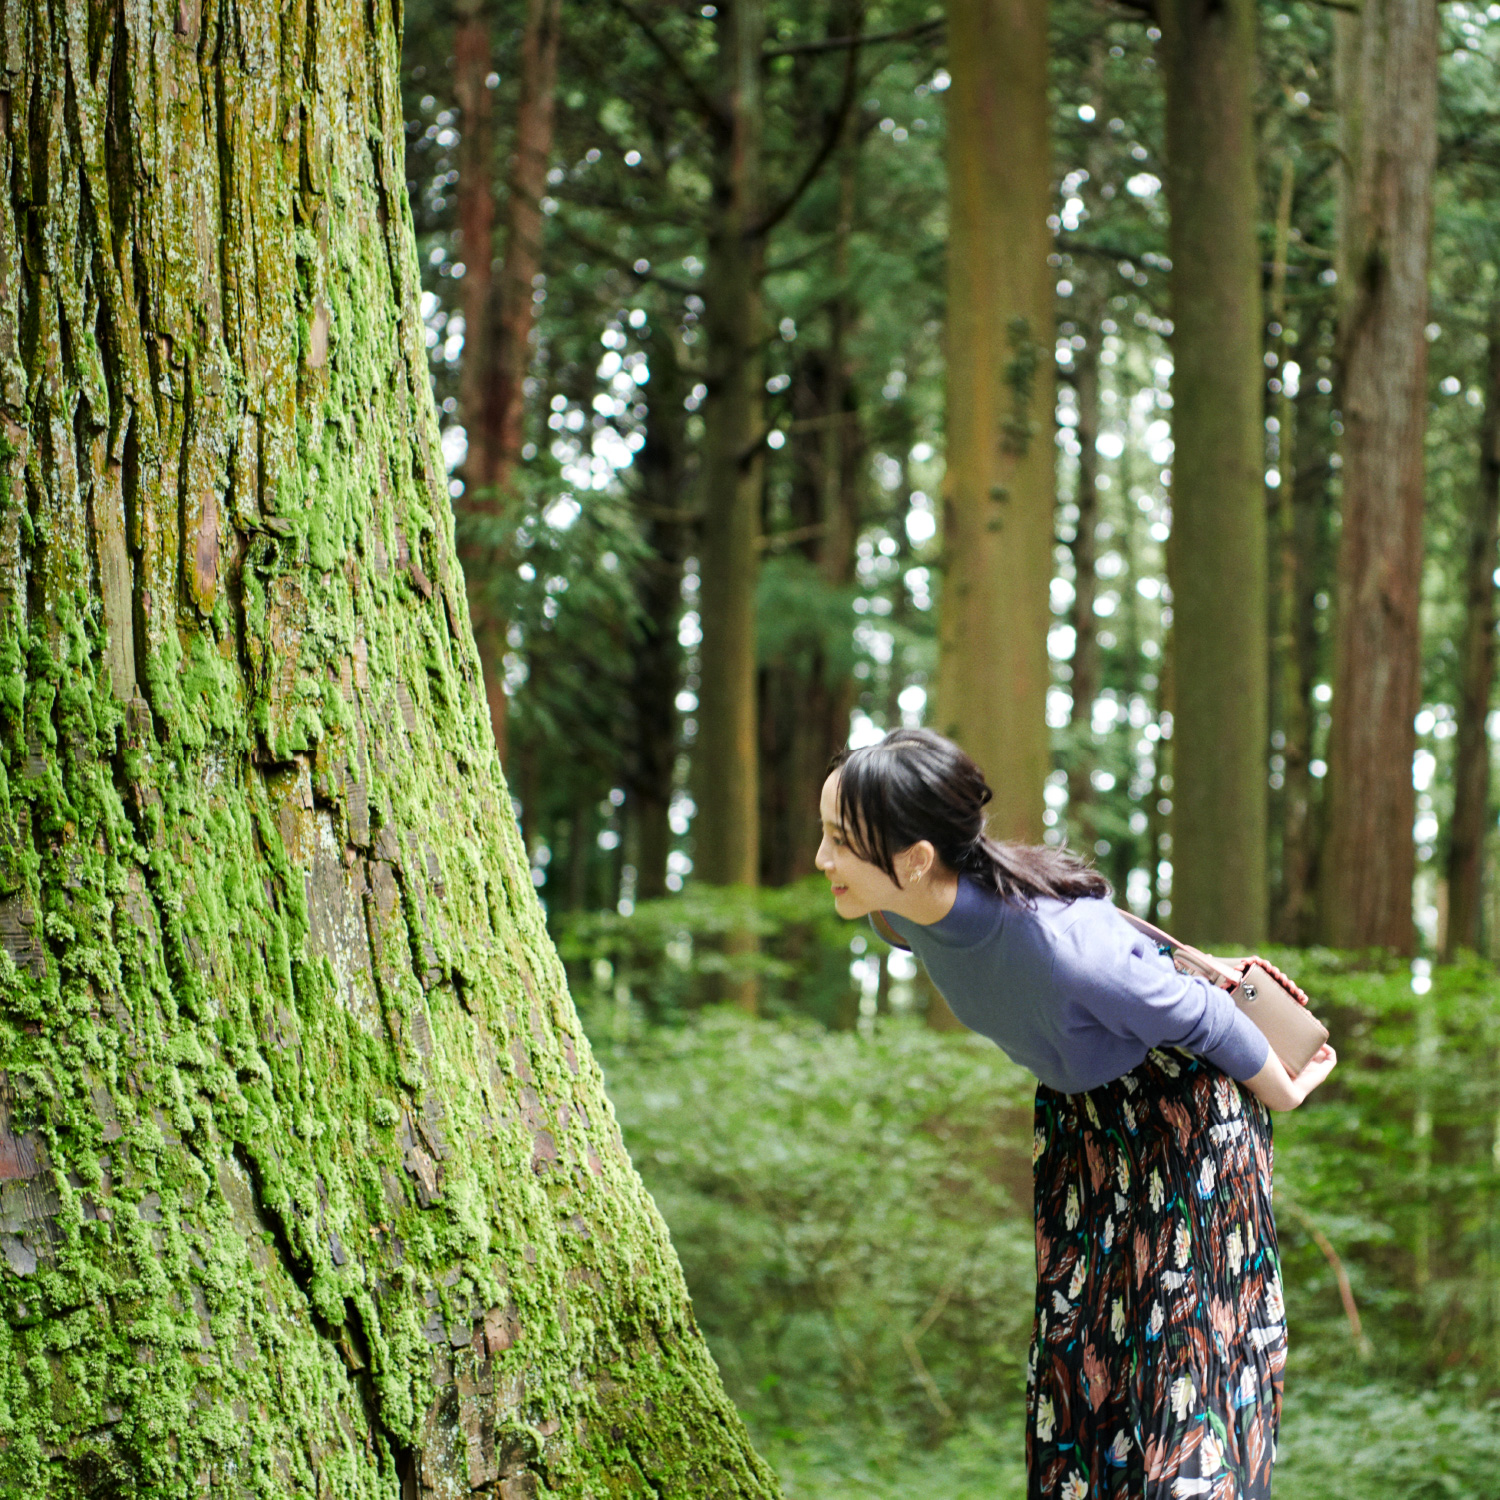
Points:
(913, 865)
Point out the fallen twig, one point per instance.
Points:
(1346, 1292)
(909, 1340)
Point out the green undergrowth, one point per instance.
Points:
(666, 958)
(1338, 1442)
(852, 1211)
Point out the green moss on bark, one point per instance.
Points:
(308, 1183)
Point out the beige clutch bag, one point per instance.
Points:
(1295, 1034)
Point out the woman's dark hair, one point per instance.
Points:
(915, 785)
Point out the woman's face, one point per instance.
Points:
(858, 886)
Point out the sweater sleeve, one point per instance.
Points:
(1117, 978)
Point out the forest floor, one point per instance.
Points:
(847, 1212)
(1355, 1442)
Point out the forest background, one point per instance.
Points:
(810, 370)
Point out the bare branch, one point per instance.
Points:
(1346, 1292)
(921, 31)
(779, 541)
(619, 261)
(837, 123)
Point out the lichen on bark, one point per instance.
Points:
(308, 1182)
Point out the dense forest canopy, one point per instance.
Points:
(743, 517)
(603, 515)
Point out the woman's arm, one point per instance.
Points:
(1277, 1089)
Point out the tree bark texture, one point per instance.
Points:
(476, 231)
(1386, 79)
(1216, 558)
(998, 507)
(1089, 300)
(499, 316)
(806, 698)
(1087, 679)
(662, 468)
(1305, 566)
(1471, 768)
(308, 1183)
(727, 825)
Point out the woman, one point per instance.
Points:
(1160, 1335)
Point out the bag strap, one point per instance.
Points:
(884, 928)
(1189, 958)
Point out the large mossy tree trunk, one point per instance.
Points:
(1386, 79)
(1471, 758)
(998, 507)
(308, 1182)
(1216, 559)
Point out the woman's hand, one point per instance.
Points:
(1278, 1090)
(1284, 980)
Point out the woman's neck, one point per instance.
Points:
(929, 899)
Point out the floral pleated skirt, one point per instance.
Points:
(1160, 1336)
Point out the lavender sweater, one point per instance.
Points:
(1070, 990)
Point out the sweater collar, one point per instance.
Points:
(975, 914)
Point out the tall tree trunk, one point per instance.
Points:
(312, 1186)
(998, 512)
(727, 825)
(1471, 772)
(1386, 77)
(662, 469)
(805, 703)
(1281, 680)
(1085, 548)
(499, 320)
(1305, 567)
(1088, 313)
(1216, 559)
(476, 235)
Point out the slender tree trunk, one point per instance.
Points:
(1299, 565)
(841, 437)
(1085, 548)
(784, 678)
(1471, 771)
(1386, 75)
(662, 471)
(1088, 313)
(476, 235)
(1305, 567)
(498, 325)
(1280, 669)
(726, 831)
(311, 1184)
(998, 513)
(580, 852)
(1216, 559)
(809, 701)
(1158, 811)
